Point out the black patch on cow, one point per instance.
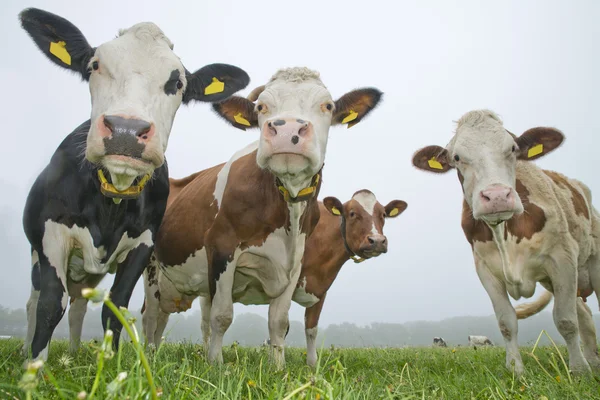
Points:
(216, 268)
(279, 122)
(157, 295)
(233, 77)
(301, 121)
(35, 276)
(171, 84)
(295, 139)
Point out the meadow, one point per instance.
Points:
(180, 371)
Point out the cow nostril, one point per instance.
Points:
(295, 139)
(371, 241)
(108, 124)
(303, 130)
(485, 197)
(384, 241)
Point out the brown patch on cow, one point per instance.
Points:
(579, 203)
(530, 222)
(157, 295)
(177, 185)
(522, 226)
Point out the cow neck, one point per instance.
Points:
(498, 231)
(110, 191)
(353, 255)
(303, 195)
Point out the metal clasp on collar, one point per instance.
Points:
(132, 192)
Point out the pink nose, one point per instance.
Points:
(496, 199)
(287, 135)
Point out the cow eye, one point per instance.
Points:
(456, 157)
(179, 84)
(514, 148)
(329, 107)
(259, 108)
(95, 65)
(352, 214)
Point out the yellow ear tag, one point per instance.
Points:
(215, 87)
(335, 211)
(241, 120)
(351, 117)
(434, 164)
(59, 50)
(394, 212)
(535, 150)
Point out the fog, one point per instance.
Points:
(534, 63)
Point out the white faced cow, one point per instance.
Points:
(239, 229)
(75, 220)
(525, 225)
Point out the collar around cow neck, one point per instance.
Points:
(132, 192)
(303, 195)
(357, 259)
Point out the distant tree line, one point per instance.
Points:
(251, 330)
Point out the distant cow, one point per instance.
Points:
(96, 207)
(525, 225)
(475, 341)
(438, 341)
(237, 232)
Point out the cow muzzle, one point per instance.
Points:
(495, 204)
(287, 135)
(373, 245)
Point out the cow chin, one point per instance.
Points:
(497, 218)
(288, 163)
(124, 170)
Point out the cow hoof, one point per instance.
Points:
(515, 366)
(580, 369)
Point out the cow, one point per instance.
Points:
(96, 207)
(476, 340)
(353, 230)
(439, 341)
(525, 225)
(249, 218)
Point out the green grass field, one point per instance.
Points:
(180, 371)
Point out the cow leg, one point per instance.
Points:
(221, 314)
(505, 314)
(564, 283)
(311, 322)
(77, 311)
(151, 307)
(161, 325)
(205, 307)
(588, 335)
(128, 273)
(593, 265)
(52, 301)
(279, 322)
(33, 301)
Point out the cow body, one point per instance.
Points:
(525, 225)
(478, 340)
(326, 251)
(96, 207)
(439, 341)
(74, 244)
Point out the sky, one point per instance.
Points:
(535, 63)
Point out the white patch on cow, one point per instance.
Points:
(190, 277)
(302, 297)
(84, 257)
(224, 172)
(368, 201)
(477, 340)
(31, 319)
(77, 311)
(311, 346)
(129, 75)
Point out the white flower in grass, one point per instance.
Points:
(82, 395)
(95, 295)
(65, 361)
(113, 388)
(29, 380)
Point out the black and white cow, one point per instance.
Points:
(439, 341)
(97, 205)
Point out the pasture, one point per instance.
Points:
(180, 371)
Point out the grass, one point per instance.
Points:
(180, 371)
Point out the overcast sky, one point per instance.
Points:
(534, 63)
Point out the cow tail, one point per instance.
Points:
(526, 310)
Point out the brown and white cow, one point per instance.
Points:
(525, 225)
(353, 230)
(249, 218)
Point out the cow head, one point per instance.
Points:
(136, 83)
(362, 221)
(485, 155)
(294, 112)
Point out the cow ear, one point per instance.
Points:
(238, 111)
(537, 142)
(395, 208)
(433, 159)
(352, 107)
(214, 82)
(333, 205)
(61, 41)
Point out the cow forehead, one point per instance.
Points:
(480, 127)
(304, 93)
(143, 46)
(366, 200)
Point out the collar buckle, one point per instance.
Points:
(132, 192)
